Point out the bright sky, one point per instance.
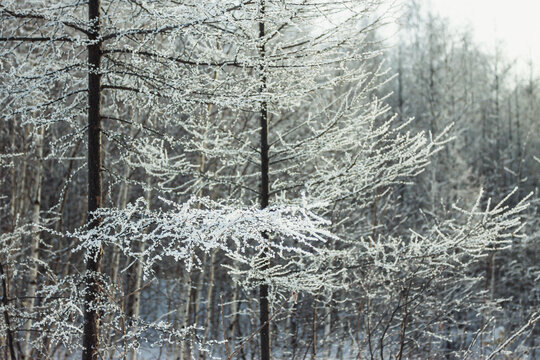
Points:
(515, 22)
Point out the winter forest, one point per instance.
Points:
(264, 179)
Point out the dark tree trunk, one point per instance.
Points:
(265, 193)
(5, 302)
(91, 317)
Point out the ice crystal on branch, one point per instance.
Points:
(291, 237)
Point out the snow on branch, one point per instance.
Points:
(290, 237)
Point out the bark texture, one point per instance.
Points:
(93, 265)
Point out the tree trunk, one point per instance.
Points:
(183, 313)
(93, 265)
(198, 292)
(7, 321)
(121, 204)
(134, 299)
(21, 179)
(209, 305)
(265, 191)
(314, 331)
(328, 329)
(34, 245)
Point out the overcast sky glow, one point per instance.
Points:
(515, 22)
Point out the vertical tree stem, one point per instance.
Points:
(6, 314)
(265, 190)
(93, 265)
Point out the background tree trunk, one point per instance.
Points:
(34, 245)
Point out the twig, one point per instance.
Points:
(534, 318)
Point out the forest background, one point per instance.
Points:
(255, 179)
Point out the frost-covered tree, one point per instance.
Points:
(447, 78)
(277, 80)
(64, 70)
(259, 136)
